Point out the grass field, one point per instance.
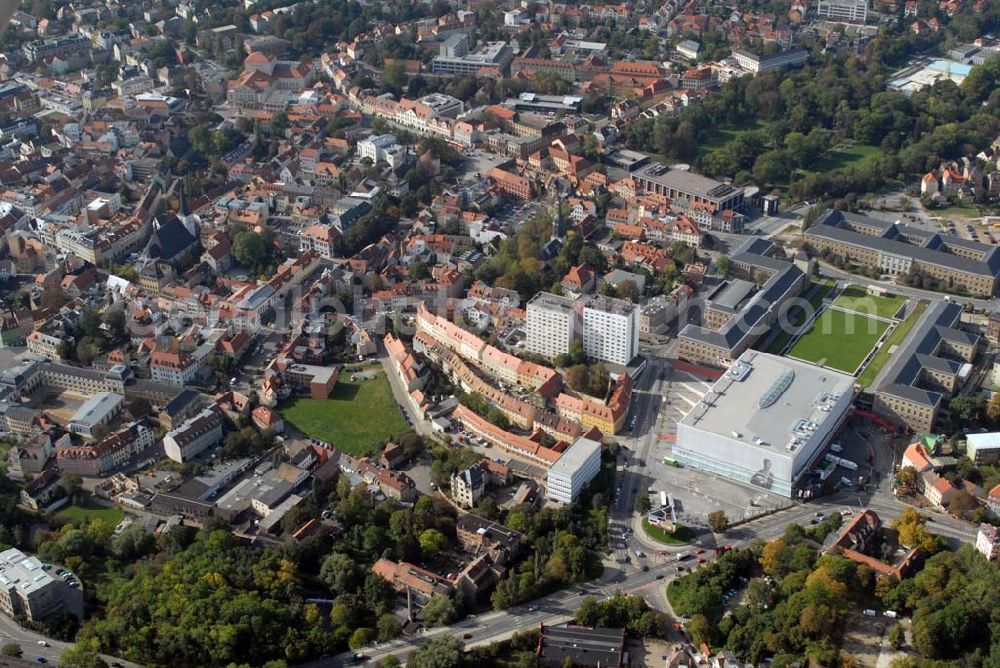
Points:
(681, 536)
(846, 157)
(724, 134)
(820, 290)
(839, 340)
(356, 418)
(867, 377)
(856, 298)
(92, 512)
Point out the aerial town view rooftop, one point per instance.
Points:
(500, 334)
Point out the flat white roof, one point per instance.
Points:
(575, 456)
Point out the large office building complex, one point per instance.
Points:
(610, 329)
(575, 468)
(552, 324)
(765, 421)
(855, 11)
(678, 184)
(896, 250)
(740, 311)
(456, 58)
(927, 370)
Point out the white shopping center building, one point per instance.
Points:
(765, 421)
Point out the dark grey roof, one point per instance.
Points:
(584, 646)
(731, 295)
(180, 402)
(748, 320)
(920, 352)
(170, 239)
(932, 251)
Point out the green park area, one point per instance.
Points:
(88, 511)
(681, 536)
(895, 338)
(358, 416)
(856, 298)
(846, 157)
(839, 340)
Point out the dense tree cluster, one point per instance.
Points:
(787, 120)
(631, 612)
(953, 602)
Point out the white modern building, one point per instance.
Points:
(983, 448)
(26, 588)
(552, 324)
(610, 329)
(194, 436)
(382, 148)
(577, 467)
(765, 421)
(988, 542)
(456, 58)
(99, 410)
(855, 11)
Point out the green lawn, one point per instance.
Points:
(856, 298)
(681, 536)
(89, 512)
(795, 318)
(956, 211)
(846, 157)
(724, 134)
(356, 418)
(839, 340)
(867, 377)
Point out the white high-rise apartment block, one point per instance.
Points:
(551, 323)
(610, 329)
(855, 11)
(577, 467)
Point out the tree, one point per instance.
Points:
(340, 573)
(993, 409)
(724, 265)
(439, 610)
(444, 652)
(961, 503)
(775, 557)
(717, 521)
(897, 636)
(84, 654)
(432, 541)
(71, 483)
(361, 637)
(11, 649)
(964, 409)
(388, 627)
(643, 504)
(628, 291)
(908, 478)
(249, 249)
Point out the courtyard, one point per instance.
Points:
(358, 416)
(840, 340)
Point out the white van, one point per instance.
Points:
(836, 447)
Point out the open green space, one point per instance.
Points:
(867, 377)
(356, 418)
(856, 298)
(845, 157)
(839, 340)
(89, 512)
(682, 536)
(956, 211)
(724, 134)
(797, 316)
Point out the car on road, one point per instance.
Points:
(659, 576)
(42, 643)
(466, 636)
(41, 659)
(821, 516)
(701, 560)
(699, 551)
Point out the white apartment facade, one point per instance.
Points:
(577, 467)
(552, 324)
(611, 330)
(855, 11)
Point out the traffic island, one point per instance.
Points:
(681, 535)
